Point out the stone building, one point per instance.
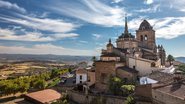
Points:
(138, 54)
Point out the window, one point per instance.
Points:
(80, 77)
(146, 38)
(141, 37)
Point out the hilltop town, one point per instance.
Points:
(135, 71)
(92, 52)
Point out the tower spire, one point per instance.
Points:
(126, 27)
(110, 41)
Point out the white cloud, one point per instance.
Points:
(153, 9)
(134, 23)
(177, 4)
(168, 27)
(45, 49)
(116, 1)
(96, 36)
(7, 34)
(9, 5)
(91, 11)
(59, 29)
(82, 41)
(45, 24)
(65, 35)
(169, 4)
(148, 2)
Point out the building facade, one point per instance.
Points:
(138, 54)
(81, 76)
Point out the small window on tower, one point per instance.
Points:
(146, 38)
(141, 37)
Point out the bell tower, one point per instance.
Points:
(146, 35)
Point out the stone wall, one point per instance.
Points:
(164, 98)
(148, 42)
(102, 74)
(110, 58)
(127, 43)
(81, 98)
(144, 91)
(91, 78)
(143, 65)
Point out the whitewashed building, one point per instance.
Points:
(81, 76)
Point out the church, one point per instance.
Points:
(132, 57)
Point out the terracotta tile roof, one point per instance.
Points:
(44, 96)
(164, 78)
(174, 89)
(161, 77)
(81, 71)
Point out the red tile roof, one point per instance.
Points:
(44, 96)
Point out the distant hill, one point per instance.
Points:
(181, 59)
(47, 57)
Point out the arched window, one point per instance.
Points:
(146, 38)
(141, 37)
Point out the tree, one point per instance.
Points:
(115, 84)
(181, 68)
(55, 73)
(93, 59)
(40, 84)
(170, 59)
(70, 70)
(63, 100)
(128, 89)
(130, 100)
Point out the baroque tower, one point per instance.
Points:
(146, 35)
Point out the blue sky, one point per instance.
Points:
(83, 27)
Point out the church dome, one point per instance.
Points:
(127, 35)
(145, 25)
